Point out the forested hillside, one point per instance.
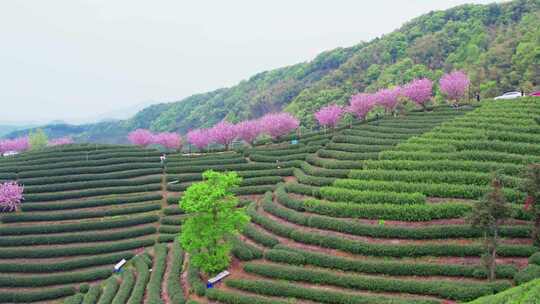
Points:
(498, 45)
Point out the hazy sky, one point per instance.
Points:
(77, 59)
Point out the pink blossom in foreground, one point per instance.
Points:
(223, 133)
(389, 98)
(454, 85)
(11, 195)
(168, 140)
(329, 116)
(19, 144)
(200, 138)
(279, 124)
(60, 141)
(141, 137)
(419, 91)
(361, 104)
(249, 130)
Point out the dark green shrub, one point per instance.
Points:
(143, 274)
(128, 281)
(371, 197)
(79, 226)
(530, 273)
(260, 236)
(445, 289)
(109, 290)
(92, 295)
(153, 289)
(174, 288)
(535, 259)
(65, 205)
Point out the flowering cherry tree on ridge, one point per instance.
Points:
(11, 195)
(419, 91)
(454, 85)
(279, 124)
(329, 116)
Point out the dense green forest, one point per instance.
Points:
(498, 45)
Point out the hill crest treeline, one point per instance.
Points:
(498, 45)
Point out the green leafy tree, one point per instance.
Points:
(532, 187)
(212, 217)
(488, 215)
(38, 140)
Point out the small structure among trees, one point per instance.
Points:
(213, 215)
(488, 215)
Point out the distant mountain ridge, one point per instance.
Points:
(498, 45)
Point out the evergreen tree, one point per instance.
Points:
(488, 215)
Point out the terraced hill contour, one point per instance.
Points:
(372, 213)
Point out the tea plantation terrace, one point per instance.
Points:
(369, 213)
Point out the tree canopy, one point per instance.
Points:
(212, 217)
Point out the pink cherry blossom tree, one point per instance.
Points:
(60, 141)
(19, 144)
(279, 124)
(11, 195)
(454, 85)
(249, 130)
(360, 105)
(389, 98)
(141, 137)
(169, 140)
(200, 138)
(329, 116)
(419, 91)
(223, 133)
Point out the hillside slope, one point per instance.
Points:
(372, 213)
(497, 44)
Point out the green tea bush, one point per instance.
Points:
(93, 192)
(332, 163)
(527, 274)
(54, 279)
(370, 196)
(143, 274)
(312, 180)
(260, 236)
(75, 215)
(48, 294)
(387, 267)
(109, 290)
(92, 295)
(445, 289)
(51, 252)
(174, 288)
(153, 289)
(427, 189)
(33, 240)
(79, 226)
(285, 289)
(348, 156)
(71, 264)
(128, 281)
(443, 165)
(66, 205)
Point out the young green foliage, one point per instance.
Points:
(38, 140)
(213, 215)
(488, 215)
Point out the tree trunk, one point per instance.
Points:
(536, 231)
(493, 254)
